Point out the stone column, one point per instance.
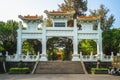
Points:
(75, 44)
(53, 23)
(100, 41)
(100, 49)
(97, 47)
(19, 39)
(44, 55)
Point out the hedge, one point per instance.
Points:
(99, 70)
(17, 70)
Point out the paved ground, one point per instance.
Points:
(57, 77)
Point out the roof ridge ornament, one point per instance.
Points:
(30, 16)
(59, 12)
(89, 17)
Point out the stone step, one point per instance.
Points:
(59, 67)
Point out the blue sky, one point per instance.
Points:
(10, 9)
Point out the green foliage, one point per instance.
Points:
(55, 42)
(27, 47)
(49, 22)
(99, 70)
(51, 42)
(66, 53)
(52, 55)
(50, 46)
(68, 48)
(79, 6)
(19, 70)
(49, 55)
(1, 48)
(106, 22)
(63, 56)
(87, 46)
(111, 41)
(39, 28)
(8, 34)
(32, 46)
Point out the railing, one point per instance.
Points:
(91, 57)
(87, 58)
(22, 57)
(34, 58)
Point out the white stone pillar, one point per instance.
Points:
(66, 25)
(38, 55)
(76, 56)
(81, 56)
(19, 39)
(100, 41)
(44, 55)
(97, 47)
(112, 55)
(91, 55)
(53, 23)
(100, 49)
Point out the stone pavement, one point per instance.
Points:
(57, 77)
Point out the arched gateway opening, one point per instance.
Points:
(31, 47)
(87, 46)
(59, 48)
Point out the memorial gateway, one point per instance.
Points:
(90, 29)
(83, 27)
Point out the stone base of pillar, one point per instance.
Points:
(76, 57)
(43, 57)
(101, 57)
(17, 57)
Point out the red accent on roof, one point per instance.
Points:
(58, 12)
(30, 16)
(89, 17)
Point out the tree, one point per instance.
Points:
(87, 46)
(63, 42)
(8, 35)
(2, 24)
(79, 6)
(33, 46)
(49, 22)
(27, 47)
(106, 21)
(68, 47)
(111, 41)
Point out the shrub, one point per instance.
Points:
(63, 56)
(19, 70)
(99, 70)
